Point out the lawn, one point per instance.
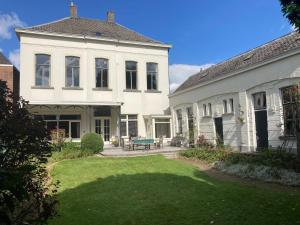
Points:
(156, 191)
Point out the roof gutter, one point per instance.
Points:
(25, 31)
(257, 65)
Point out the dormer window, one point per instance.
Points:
(42, 70)
(131, 75)
(101, 73)
(72, 71)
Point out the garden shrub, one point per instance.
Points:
(69, 153)
(208, 155)
(202, 142)
(92, 142)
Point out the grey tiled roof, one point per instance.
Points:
(4, 60)
(260, 54)
(93, 28)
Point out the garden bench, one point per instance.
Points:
(146, 142)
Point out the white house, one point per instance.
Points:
(86, 75)
(246, 102)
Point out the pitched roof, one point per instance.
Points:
(4, 60)
(260, 54)
(92, 28)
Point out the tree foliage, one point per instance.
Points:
(291, 9)
(26, 196)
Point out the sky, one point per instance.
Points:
(202, 32)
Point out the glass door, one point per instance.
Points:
(102, 126)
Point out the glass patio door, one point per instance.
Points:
(102, 126)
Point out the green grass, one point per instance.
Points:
(157, 191)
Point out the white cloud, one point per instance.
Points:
(1, 50)
(180, 72)
(7, 23)
(14, 57)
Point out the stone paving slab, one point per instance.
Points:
(119, 152)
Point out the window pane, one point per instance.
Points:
(133, 77)
(162, 120)
(75, 130)
(51, 125)
(102, 63)
(130, 65)
(102, 111)
(69, 82)
(162, 129)
(151, 67)
(128, 80)
(132, 128)
(106, 130)
(98, 126)
(64, 125)
(42, 59)
(72, 61)
(149, 86)
(98, 77)
(105, 78)
(132, 117)
(154, 86)
(38, 75)
(70, 117)
(260, 101)
(76, 77)
(123, 129)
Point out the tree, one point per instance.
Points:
(291, 9)
(26, 196)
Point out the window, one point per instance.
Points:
(69, 123)
(131, 75)
(129, 125)
(260, 101)
(101, 73)
(162, 128)
(231, 105)
(209, 109)
(225, 110)
(190, 115)
(152, 70)
(204, 110)
(72, 71)
(290, 110)
(42, 70)
(179, 121)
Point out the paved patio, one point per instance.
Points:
(167, 151)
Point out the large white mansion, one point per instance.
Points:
(85, 75)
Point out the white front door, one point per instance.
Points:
(102, 126)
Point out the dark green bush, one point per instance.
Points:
(92, 142)
(208, 155)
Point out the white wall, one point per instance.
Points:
(269, 78)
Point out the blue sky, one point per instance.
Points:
(202, 32)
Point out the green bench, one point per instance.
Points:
(146, 142)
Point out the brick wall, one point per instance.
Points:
(12, 76)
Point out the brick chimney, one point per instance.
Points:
(110, 17)
(73, 10)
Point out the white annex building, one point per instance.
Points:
(246, 102)
(86, 75)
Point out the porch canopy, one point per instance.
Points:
(78, 118)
